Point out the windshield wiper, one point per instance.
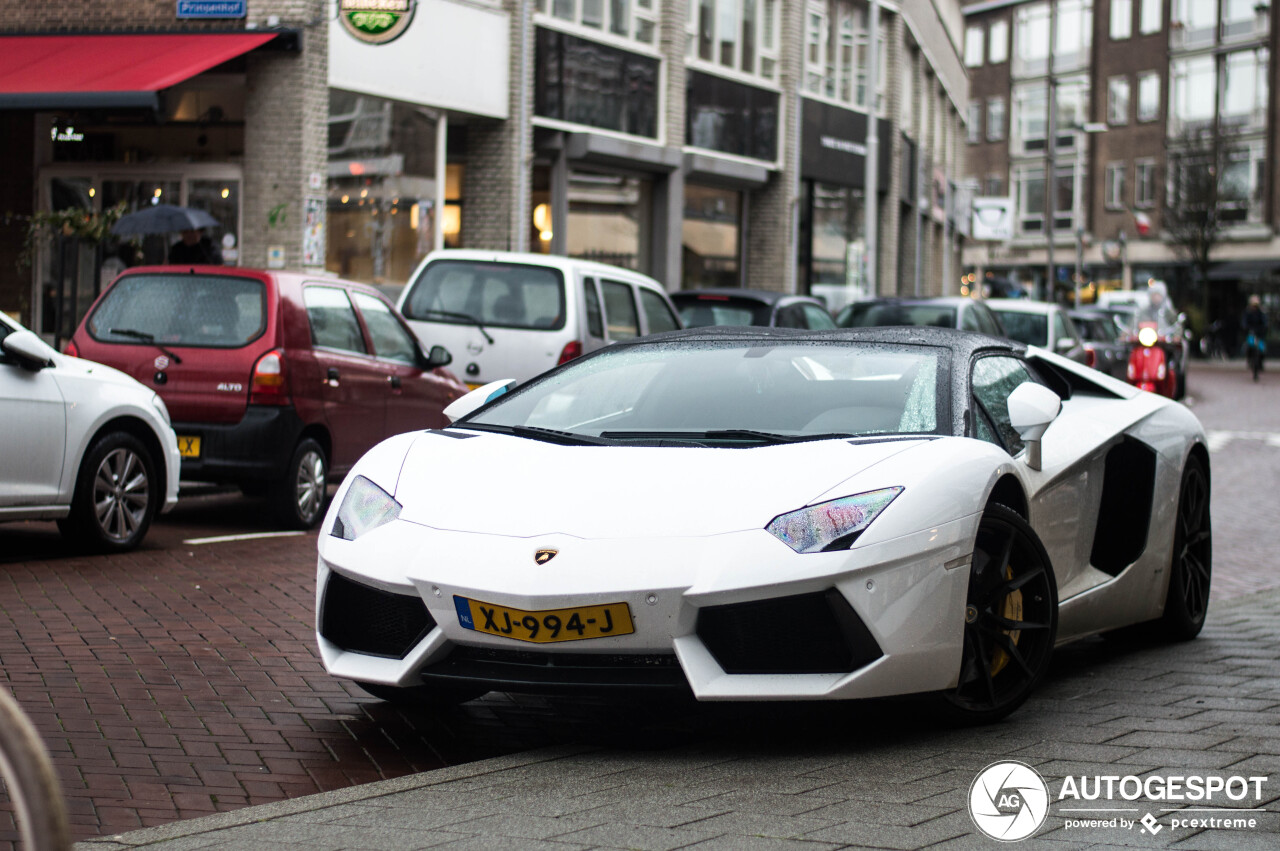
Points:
(146, 338)
(547, 435)
(453, 314)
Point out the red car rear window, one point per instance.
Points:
(205, 311)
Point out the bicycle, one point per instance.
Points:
(28, 782)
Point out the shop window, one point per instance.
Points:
(837, 238)
(585, 82)
(710, 236)
(726, 116)
(610, 220)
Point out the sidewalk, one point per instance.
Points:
(827, 777)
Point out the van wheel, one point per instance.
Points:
(299, 499)
(115, 493)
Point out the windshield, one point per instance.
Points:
(700, 311)
(506, 295)
(867, 315)
(1029, 328)
(205, 311)
(734, 392)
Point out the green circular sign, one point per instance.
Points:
(376, 21)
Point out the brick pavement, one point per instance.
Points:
(180, 681)
(832, 777)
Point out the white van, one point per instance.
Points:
(504, 314)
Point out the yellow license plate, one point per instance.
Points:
(546, 626)
(472, 386)
(188, 447)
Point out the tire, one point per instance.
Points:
(300, 497)
(1191, 573)
(424, 697)
(1011, 584)
(28, 783)
(116, 495)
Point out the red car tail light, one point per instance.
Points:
(71, 349)
(572, 349)
(268, 385)
(1090, 356)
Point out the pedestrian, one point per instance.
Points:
(1254, 324)
(195, 248)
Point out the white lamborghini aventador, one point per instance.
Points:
(767, 514)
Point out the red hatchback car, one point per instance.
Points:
(275, 380)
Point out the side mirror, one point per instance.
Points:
(1065, 344)
(28, 350)
(1032, 407)
(477, 398)
(438, 356)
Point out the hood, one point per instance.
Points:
(79, 369)
(501, 485)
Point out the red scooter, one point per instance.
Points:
(1150, 361)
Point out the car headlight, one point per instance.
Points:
(833, 525)
(365, 507)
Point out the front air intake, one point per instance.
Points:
(806, 634)
(364, 619)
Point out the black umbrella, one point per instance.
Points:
(162, 218)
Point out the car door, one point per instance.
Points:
(33, 443)
(353, 389)
(658, 316)
(1059, 498)
(415, 398)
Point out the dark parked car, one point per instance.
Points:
(276, 381)
(1105, 351)
(966, 314)
(699, 308)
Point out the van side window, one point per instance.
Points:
(656, 313)
(620, 311)
(595, 319)
(333, 321)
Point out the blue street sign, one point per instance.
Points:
(212, 8)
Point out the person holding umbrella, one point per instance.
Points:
(195, 248)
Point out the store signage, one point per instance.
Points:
(65, 134)
(833, 146)
(212, 8)
(375, 21)
(993, 218)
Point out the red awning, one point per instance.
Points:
(84, 71)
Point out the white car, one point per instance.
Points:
(1040, 323)
(82, 444)
(788, 515)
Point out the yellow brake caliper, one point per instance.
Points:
(1011, 609)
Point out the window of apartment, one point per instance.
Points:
(1239, 18)
(1029, 118)
(1148, 96)
(975, 123)
(815, 48)
(1144, 183)
(1115, 185)
(1074, 34)
(1192, 84)
(995, 119)
(1118, 100)
(995, 185)
(1121, 19)
(630, 19)
(1244, 88)
(741, 35)
(1031, 39)
(973, 47)
(998, 42)
(1195, 22)
(1150, 16)
(835, 51)
(1030, 191)
(1072, 100)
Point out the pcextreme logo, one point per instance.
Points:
(1009, 801)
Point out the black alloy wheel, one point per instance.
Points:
(1190, 575)
(1011, 620)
